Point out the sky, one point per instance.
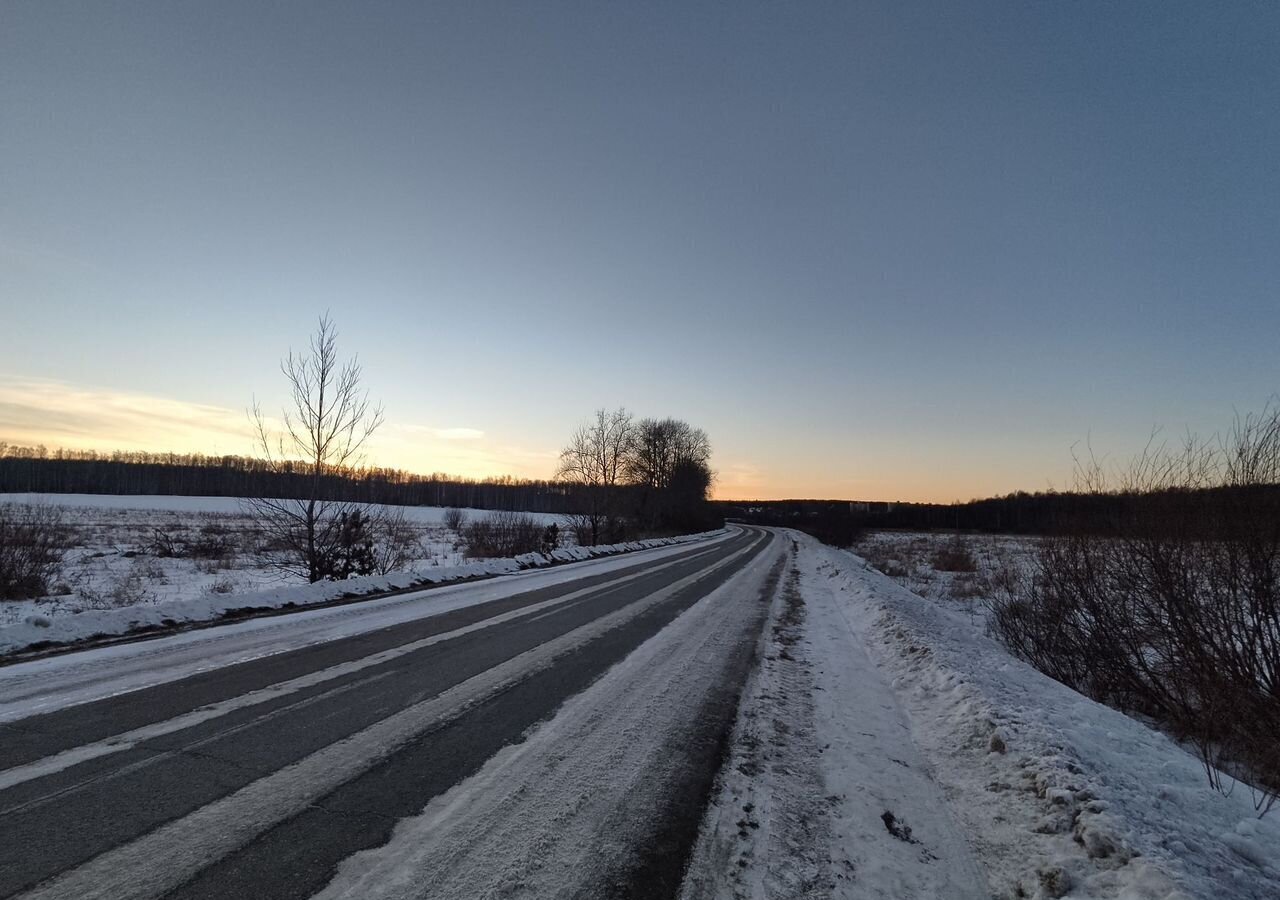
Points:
(913, 251)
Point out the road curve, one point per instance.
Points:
(555, 736)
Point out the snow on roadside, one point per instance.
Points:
(766, 830)
(1058, 796)
(41, 631)
(824, 793)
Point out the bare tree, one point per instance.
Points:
(595, 462)
(324, 432)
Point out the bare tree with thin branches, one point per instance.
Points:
(595, 462)
(324, 431)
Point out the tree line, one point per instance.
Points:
(838, 522)
(59, 471)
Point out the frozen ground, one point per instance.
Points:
(114, 560)
(887, 748)
(961, 572)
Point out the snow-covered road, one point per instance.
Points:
(486, 733)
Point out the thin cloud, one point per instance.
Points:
(58, 414)
(38, 411)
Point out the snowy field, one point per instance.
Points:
(116, 558)
(887, 747)
(961, 572)
(115, 582)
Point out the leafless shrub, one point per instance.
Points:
(212, 566)
(223, 585)
(396, 542)
(167, 544)
(1005, 576)
(580, 527)
(210, 543)
(128, 590)
(33, 540)
(454, 519)
(1171, 607)
(150, 569)
(955, 556)
(503, 534)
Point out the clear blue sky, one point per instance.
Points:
(881, 250)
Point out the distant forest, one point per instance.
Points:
(1017, 513)
(1051, 512)
(37, 470)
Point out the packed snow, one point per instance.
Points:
(889, 748)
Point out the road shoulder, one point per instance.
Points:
(824, 792)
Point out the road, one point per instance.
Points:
(550, 734)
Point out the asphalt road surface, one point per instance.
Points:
(556, 739)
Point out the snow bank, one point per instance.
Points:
(40, 631)
(1060, 795)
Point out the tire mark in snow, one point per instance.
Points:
(576, 809)
(661, 858)
(767, 831)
